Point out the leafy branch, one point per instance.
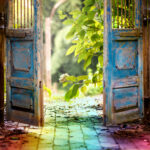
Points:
(87, 43)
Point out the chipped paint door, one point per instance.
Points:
(123, 68)
(24, 79)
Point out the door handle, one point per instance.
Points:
(146, 19)
(146, 15)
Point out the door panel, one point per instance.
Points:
(24, 52)
(22, 98)
(123, 68)
(22, 59)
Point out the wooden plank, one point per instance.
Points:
(126, 116)
(1, 77)
(107, 65)
(3, 5)
(149, 44)
(145, 54)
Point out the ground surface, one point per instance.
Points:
(74, 126)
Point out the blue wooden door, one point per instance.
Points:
(123, 61)
(24, 69)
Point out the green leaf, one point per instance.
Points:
(83, 89)
(68, 22)
(89, 22)
(91, 14)
(71, 32)
(97, 44)
(89, 2)
(94, 79)
(81, 20)
(87, 82)
(75, 13)
(78, 51)
(81, 34)
(73, 92)
(84, 77)
(87, 62)
(61, 15)
(100, 60)
(95, 37)
(71, 78)
(71, 50)
(68, 95)
(65, 84)
(87, 8)
(48, 91)
(81, 57)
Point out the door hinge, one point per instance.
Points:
(40, 84)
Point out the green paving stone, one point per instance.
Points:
(78, 146)
(89, 133)
(59, 135)
(90, 137)
(46, 137)
(60, 141)
(62, 126)
(61, 147)
(93, 147)
(61, 123)
(76, 134)
(74, 127)
(92, 143)
(73, 123)
(76, 140)
(61, 132)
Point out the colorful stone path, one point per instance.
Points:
(74, 126)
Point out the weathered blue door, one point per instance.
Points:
(24, 49)
(123, 61)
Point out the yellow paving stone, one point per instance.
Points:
(29, 147)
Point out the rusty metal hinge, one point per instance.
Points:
(40, 84)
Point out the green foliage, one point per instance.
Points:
(87, 44)
(61, 63)
(122, 16)
(48, 91)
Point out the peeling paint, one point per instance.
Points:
(24, 95)
(123, 64)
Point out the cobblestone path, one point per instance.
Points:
(72, 126)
